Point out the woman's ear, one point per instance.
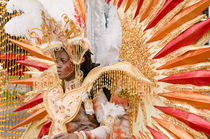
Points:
(83, 60)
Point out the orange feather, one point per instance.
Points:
(191, 57)
(129, 2)
(82, 11)
(176, 130)
(193, 98)
(28, 81)
(31, 49)
(149, 9)
(33, 117)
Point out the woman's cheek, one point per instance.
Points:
(69, 67)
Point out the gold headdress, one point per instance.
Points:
(70, 37)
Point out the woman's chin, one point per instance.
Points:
(61, 77)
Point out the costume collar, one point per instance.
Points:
(75, 83)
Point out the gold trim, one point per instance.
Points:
(80, 90)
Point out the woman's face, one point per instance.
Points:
(65, 68)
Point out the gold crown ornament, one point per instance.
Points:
(70, 37)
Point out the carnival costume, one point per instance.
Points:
(163, 75)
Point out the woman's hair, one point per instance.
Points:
(87, 65)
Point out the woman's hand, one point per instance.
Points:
(66, 136)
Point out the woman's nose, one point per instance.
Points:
(58, 67)
(58, 64)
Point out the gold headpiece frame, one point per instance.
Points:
(70, 37)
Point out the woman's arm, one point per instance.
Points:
(106, 114)
(101, 132)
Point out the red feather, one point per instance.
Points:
(35, 51)
(119, 3)
(108, 1)
(192, 120)
(181, 18)
(199, 77)
(186, 38)
(45, 129)
(168, 6)
(31, 103)
(140, 2)
(156, 134)
(37, 65)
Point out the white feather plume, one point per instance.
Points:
(108, 45)
(104, 34)
(56, 9)
(31, 17)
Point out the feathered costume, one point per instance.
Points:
(164, 74)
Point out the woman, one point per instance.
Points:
(90, 116)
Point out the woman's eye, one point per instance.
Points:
(64, 61)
